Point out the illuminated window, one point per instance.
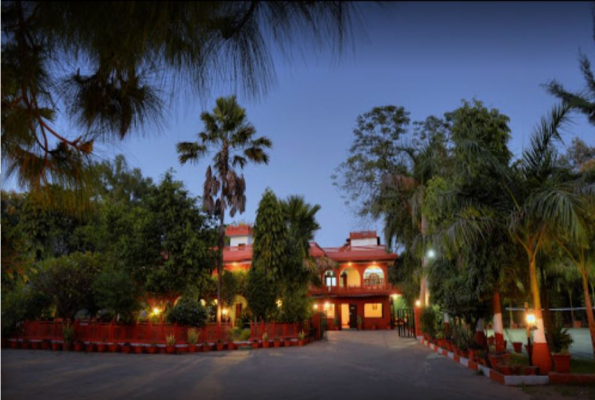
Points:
(373, 310)
(330, 279)
(329, 309)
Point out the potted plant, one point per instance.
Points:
(113, 347)
(518, 347)
(531, 370)
(277, 342)
(101, 347)
(152, 348)
(220, 345)
(491, 340)
(265, 340)
(301, 337)
(126, 348)
(90, 347)
(336, 322)
(139, 348)
(68, 335)
(192, 337)
(561, 342)
(56, 346)
(255, 344)
(46, 344)
(287, 342)
(35, 345)
(206, 347)
(360, 322)
(170, 344)
(509, 367)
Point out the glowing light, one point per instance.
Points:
(431, 253)
(225, 311)
(279, 303)
(417, 303)
(394, 296)
(531, 319)
(316, 306)
(215, 301)
(203, 302)
(156, 311)
(327, 305)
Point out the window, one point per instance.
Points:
(373, 310)
(329, 309)
(330, 279)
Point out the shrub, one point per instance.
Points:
(193, 335)
(115, 292)
(428, 321)
(562, 340)
(21, 303)
(188, 312)
(170, 340)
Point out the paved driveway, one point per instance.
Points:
(350, 365)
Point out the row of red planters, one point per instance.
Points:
(150, 349)
(500, 362)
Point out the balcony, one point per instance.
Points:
(367, 289)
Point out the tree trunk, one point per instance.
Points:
(498, 325)
(547, 316)
(571, 308)
(588, 304)
(424, 295)
(541, 353)
(221, 246)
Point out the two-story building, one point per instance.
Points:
(354, 289)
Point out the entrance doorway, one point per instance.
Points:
(345, 315)
(353, 315)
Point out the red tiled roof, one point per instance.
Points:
(237, 253)
(359, 253)
(238, 230)
(363, 235)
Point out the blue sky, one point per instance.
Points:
(426, 57)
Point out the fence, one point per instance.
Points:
(147, 333)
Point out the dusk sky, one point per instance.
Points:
(426, 57)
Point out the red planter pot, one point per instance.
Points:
(152, 349)
(277, 343)
(182, 349)
(220, 346)
(35, 345)
(191, 348)
(265, 344)
(66, 346)
(287, 343)
(562, 362)
(170, 349)
(206, 347)
(231, 346)
(114, 348)
(45, 345)
(25, 344)
(497, 359)
(101, 347)
(255, 345)
(509, 369)
(14, 344)
(518, 347)
(126, 349)
(56, 346)
(139, 349)
(491, 340)
(78, 346)
(300, 342)
(531, 370)
(90, 347)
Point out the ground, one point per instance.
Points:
(350, 365)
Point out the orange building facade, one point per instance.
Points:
(355, 291)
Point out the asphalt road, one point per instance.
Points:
(350, 365)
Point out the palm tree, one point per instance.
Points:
(232, 138)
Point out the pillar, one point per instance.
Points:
(446, 324)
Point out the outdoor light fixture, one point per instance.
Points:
(326, 305)
(530, 319)
(156, 311)
(417, 303)
(316, 306)
(279, 303)
(394, 296)
(431, 253)
(224, 311)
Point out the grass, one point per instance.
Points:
(560, 391)
(577, 365)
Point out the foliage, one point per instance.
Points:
(229, 287)
(464, 338)
(68, 282)
(192, 335)
(68, 332)
(20, 303)
(561, 339)
(189, 312)
(110, 67)
(170, 340)
(261, 294)
(428, 320)
(114, 291)
(270, 236)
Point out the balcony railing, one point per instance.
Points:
(366, 289)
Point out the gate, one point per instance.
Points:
(405, 323)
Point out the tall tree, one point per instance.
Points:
(110, 66)
(229, 134)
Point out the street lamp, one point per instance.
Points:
(417, 303)
(530, 325)
(431, 253)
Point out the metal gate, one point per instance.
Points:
(405, 323)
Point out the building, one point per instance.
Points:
(354, 287)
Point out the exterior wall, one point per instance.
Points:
(368, 323)
(360, 268)
(239, 240)
(364, 242)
